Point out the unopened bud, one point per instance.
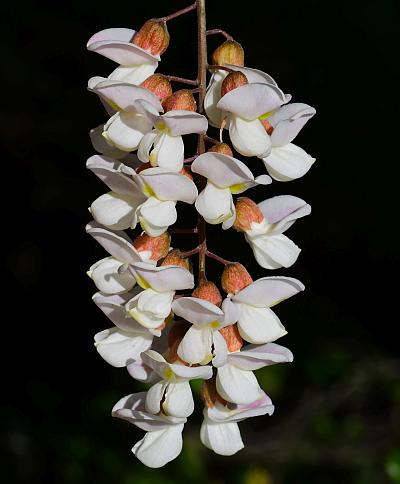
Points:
(235, 278)
(247, 212)
(157, 246)
(175, 259)
(232, 337)
(232, 81)
(158, 85)
(153, 37)
(186, 172)
(267, 126)
(175, 336)
(209, 292)
(181, 100)
(230, 52)
(209, 394)
(222, 148)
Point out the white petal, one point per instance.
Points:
(120, 348)
(150, 308)
(178, 400)
(180, 122)
(154, 396)
(222, 438)
(220, 349)
(196, 310)
(187, 373)
(164, 278)
(282, 211)
(195, 346)
(141, 372)
(156, 216)
(169, 153)
(249, 137)
(159, 447)
(134, 75)
(259, 325)
(224, 413)
(254, 357)
(213, 95)
(168, 185)
(145, 146)
(214, 204)
(274, 251)
(126, 130)
(288, 162)
(288, 121)
(107, 278)
(115, 211)
(236, 385)
(100, 144)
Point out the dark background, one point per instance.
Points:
(337, 406)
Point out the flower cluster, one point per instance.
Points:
(167, 329)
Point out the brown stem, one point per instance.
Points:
(222, 68)
(211, 140)
(218, 258)
(219, 31)
(183, 80)
(189, 253)
(189, 160)
(179, 13)
(183, 231)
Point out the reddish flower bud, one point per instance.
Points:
(209, 292)
(186, 172)
(157, 246)
(153, 37)
(230, 52)
(158, 85)
(222, 148)
(174, 259)
(247, 212)
(235, 278)
(175, 336)
(267, 126)
(209, 394)
(232, 81)
(182, 100)
(232, 337)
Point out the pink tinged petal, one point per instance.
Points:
(178, 400)
(274, 251)
(288, 121)
(117, 244)
(220, 349)
(133, 75)
(187, 373)
(180, 122)
(167, 185)
(222, 413)
(156, 216)
(268, 291)
(249, 137)
(214, 204)
(288, 162)
(254, 357)
(110, 172)
(168, 153)
(222, 438)
(197, 311)
(195, 346)
(154, 396)
(119, 348)
(165, 278)
(115, 211)
(100, 144)
(236, 385)
(125, 130)
(252, 100)
(213, 95)
(282, 211)
(122, 96)
(105, 274)
(141, 372)
(159, 447)
(259, 325)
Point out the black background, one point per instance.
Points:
(340, 57)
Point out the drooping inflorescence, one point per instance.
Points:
(168, 329)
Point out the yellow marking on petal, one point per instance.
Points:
(168, 374)
(142, 281)
(277, 302)
(207, 359)
(148, 191)
(89, 273)
(153, 158)
(161, 126)
(266, 115)
(237, 187)
(214, 324)
(114, 105)
(90, 210)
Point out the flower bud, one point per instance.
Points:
(174, 259)
(186, 172)
(235, 278)
(181, 100)
(175, 336)
(209, 394)
(247, 212)
(230, 52)
(267, 126)
(232, 337)
(153, 37)
(232, 81)
(209, 292)
(157, 246)
(158, 85)
(222, 148)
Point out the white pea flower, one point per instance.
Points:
(213, 95)
(245, 107)
(172, 393)
(136, 64)
(163, 146)
(206, 318)
(225, 176)
(287, 161)
(220, 430)
(163, 439)
(257, 323)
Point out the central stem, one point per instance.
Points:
(202, 79)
